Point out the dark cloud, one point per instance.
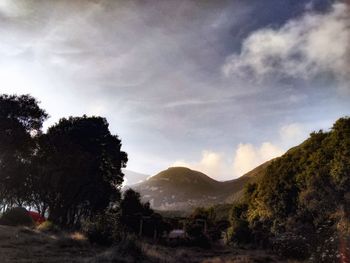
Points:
(154, 69)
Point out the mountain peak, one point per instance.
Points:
(184, 175)
(181, 188)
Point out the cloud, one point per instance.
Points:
(247, 156)
(211, 163)
(304, 48)
(13, 8)
(154, 70)
(292, 132)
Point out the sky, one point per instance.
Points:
(217, 86)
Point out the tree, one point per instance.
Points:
(239, 231)
(133, 210)
(79, 169)
(21, 121)
(303, 198)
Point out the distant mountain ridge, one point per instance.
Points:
(180, 188)
(131, 177)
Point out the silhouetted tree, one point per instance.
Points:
(133, 210)
(79, 169)
(21, 121)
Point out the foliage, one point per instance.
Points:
(17, 216)
(239, 232)
(79, 169)
(70, 173)
(104, 228)
(300, 194)
(48, 226)
(134, 213)
(198, 236)
(21, 120)
(130, 246)
(203, 227)
(290, 245)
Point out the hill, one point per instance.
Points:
(131, 177)
(303, 198)
(180, 188)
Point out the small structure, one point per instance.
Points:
(37, 218)
(177, 234)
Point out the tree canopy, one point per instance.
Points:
(21, 120)
(80, 162)
(305, 193)
(70, 172)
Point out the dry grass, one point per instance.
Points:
(24, 245)
(29, 245)
(78, 236)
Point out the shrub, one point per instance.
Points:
(291, 245)
(197, 236)
(130, 246)
(48, 226)
(102, 229)
(127, 250)
(239, 232)
(17, 216)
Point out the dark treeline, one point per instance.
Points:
(301, 205)
(70, 173)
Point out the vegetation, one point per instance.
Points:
(71, 173)
(302, 199)
(298, 204)
(17, 216)
(183, 189)
(78, 168)
(21, 120)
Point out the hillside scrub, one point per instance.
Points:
(302, 201)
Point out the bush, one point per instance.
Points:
(127, 250)
(17, 216)
(290, 245)
(239, 232)
(197, 237)
(102, 229)
(129, 246)
(48, 226)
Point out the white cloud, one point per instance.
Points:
(247, 156)
(211, 163)
(302, 48)
(13, 8)
(294, 132)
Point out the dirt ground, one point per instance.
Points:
(27, 245)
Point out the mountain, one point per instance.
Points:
(131, 177)
(180, 188)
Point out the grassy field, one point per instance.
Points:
(19, 244)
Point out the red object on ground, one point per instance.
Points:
(36, 217)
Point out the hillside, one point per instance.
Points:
(180, 188)
(307, 191)
(131, 177)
